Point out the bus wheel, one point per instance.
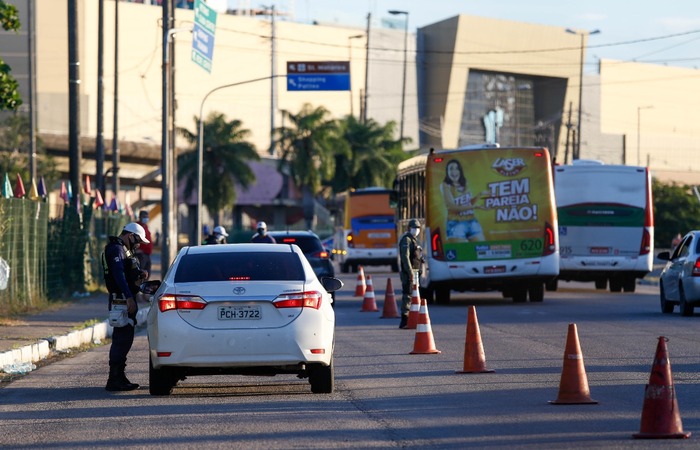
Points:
(552, 285)
(629, 284)
(536, 291)
(442, 296)
(345, 267)
(615, 284)
(395, 266)
(519, 294)
(428, 294)
(601, 283)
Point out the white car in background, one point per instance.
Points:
(679, 282)
(244, 309)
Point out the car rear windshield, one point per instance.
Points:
(307, 244)
(239, 267)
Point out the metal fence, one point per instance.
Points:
(44, 258)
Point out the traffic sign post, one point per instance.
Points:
(203, 35)
(318, 76)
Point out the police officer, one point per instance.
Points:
(218, 236)
(123, 277)
(261, 236)
(411, 258)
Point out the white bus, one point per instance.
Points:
(606, 224)
(490, 220)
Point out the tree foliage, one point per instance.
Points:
(9, 88)
(676, 210)
(226, 154)
(14, 151)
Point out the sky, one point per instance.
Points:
(650, 31)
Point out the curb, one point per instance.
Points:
(21, 360)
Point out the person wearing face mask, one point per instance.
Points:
(144, 251)
(123, 277)
(411, 258)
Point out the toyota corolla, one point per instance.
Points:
(243, 309)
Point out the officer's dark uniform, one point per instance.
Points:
(121, 275)
(215, 239)
(410, 255)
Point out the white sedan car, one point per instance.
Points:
(245, 309)
(679, 283)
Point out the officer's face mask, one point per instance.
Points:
(415, 232)
(144, 220)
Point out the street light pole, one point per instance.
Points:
(350, 38)
(583, 34)
(639, 109)
(200, 146)
(405, 48)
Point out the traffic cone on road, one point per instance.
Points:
(573, 387)
(360, 288)
(414, 311)
(660, 416)
(474, 357)
(368, 302)
(424, 342)
(389, 311)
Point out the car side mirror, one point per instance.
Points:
(150, 287)
(331, 284)
(664, 256)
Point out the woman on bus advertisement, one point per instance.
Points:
(461, 225)
(513, 209)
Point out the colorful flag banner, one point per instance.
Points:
(64, 193)
(33, 193)
(41, 189)
(87, 188)
(19, 187)
(98, 199)
(7, 188)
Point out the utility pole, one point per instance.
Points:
(273, 82)
(568, 134)
(74, 150)
(169, 243)
(31, 7)
(115, 126)
(364, 100)
(99, 140)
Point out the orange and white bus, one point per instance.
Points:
(490, 220)
(367, 235)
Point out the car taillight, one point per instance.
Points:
(310, 299)
(169, 302)
(645, 248)
(321, 254)
(696, 268)
(550, 245)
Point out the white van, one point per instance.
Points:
(606, 224)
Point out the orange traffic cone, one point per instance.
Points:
(424, 342)
(660, 416)
(360, 288)
(573, 387)
(368, 302)
(474, 357)
(389, 311)
(415, 309)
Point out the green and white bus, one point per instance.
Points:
(606, 223)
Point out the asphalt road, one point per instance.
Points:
(385, 397)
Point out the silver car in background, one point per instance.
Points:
(680, 279)
(243, 309)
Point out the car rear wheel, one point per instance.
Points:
(160, 381)
(686, 308)
(321, 378)
(666, 306)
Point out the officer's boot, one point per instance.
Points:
(115, 382)
(404, 321)
(126, 380)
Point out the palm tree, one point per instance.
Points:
(307, 150)
(225, 162)
(373, 158)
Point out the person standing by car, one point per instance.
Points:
(410, 256)
(261, 236)
(123, 277)
(218, 236)
(144, 251)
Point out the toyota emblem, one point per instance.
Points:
(239, 290)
